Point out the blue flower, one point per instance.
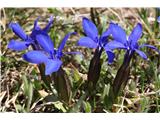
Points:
(92, 40)
(131, 43)
(50, 56)
(27, 39)
(158, 19)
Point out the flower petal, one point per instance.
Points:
(118, 33)
(111, 56)
(52, 66)
(158, 19)
(135, 35)
(45, 42)
(104, 36)
(18, 45)
(63, 42)
(142, 54)
(36, 26)
(90, 29)
(146, 45)
(87, 42)
(35, 56)
(114, 45)
(16, 28)
(47, 28)
(150, 46)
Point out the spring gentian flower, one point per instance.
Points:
(158, 19)
(131, 43)
(92, 40)
(15, 44)
(50, 56)
(27, 39)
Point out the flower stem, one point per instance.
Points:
(121, 78)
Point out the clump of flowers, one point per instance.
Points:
(43, 47)
(130, 44)
(99, 43)
(44, 53)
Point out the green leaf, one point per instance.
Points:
(51, 98)
(87, 107)
(28, 91)
(60, 106)
(37, 84)
(19, 108)
(76, 107)
(106, 90)
(62, 85)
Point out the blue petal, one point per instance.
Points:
(114, 45)
(35, 56)
(106, 33)
(36, 26)
(104, 37)
(62, 44)
(45, 42)
(150, 46)
(142, 54)
(87, 42)
(111, 56)
(158, 19)
(47, 28)
(118, 33)
(90, 29)
(52, 65)
(18, 45)
(16, 28)
(135, 35)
